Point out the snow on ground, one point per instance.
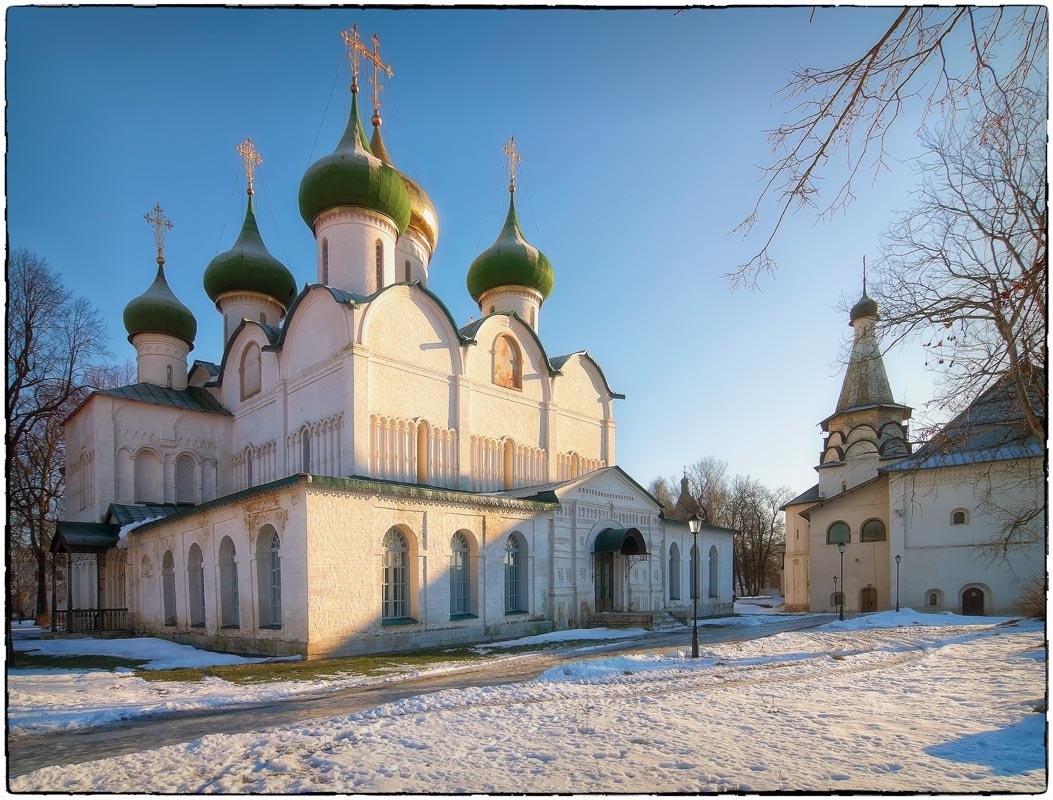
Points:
(762, 604)
(572, 635)
(159, 653)
(908, 616)
(918, 708)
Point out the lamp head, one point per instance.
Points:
(841, 548)
(898, 557)
(695, 524)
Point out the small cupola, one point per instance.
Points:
(247, 282)
(511, 274)
(161, 328)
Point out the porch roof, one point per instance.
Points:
(71, 536)
(628, 541)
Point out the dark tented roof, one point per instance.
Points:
(192, 398)
(992, 428)
(865, 383)
(72, 535)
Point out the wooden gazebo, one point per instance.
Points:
(85, 545)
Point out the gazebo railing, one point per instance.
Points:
(88, 620)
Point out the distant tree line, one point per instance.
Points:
(744, 504)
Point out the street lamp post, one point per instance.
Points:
(837, 597)
(841, 597)
(695, 525)
(898, 557)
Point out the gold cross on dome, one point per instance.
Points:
(513, 162)
(378, 65)
(157, 219)
(354, 52)
(247, 151)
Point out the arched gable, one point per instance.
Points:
(478, 357)
(320, 328)
(407, 324)
(248, 333)
(581, 387)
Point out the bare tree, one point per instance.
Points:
(932, 56)
(966, 269)
(662, 490)
(52, 340)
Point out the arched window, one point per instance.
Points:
(148, 477)
(508, 363)
(873, 530)
(305, 449)
(269, 573)
(533, 317)
(250, 371)
(844, 486)
(325, 261)
(230, 613)
(184, 480)
(408, 271)
(695, 572)
(959, 517)
(422, 452)
(380, 265)
(168, 373)
(195, 574)
(249, 459)
(934, 599)
(515, 600)
(674, 572)
(168, 588)
(714, 572)
(396, 576)
(460, 578)
(838, 532)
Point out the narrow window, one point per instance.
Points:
(380, 265)
(460, 592)
(395, 603)
(185, 494)
(959, 517)
(674, 572)
(268, 577)
(250, 369)
(248, 469)
(305, 450)
(325, 261)
(228, 584)
(408, 273)
(276, 580)
(168, 588)
(933, 599)
(714, 571)
(169, 370)
(514, 575)
(195, 573)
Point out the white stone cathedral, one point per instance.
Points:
(359, 472)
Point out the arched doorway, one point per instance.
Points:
(973, 602)
(868, 599)
(614, 554)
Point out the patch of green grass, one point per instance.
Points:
(838, 657)
(42, 661)
(269, 671)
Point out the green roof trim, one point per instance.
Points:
(620, 540)
(193, 398)
(352, 484)
(353, 176)
(158, 310)
(559, 361)
(511, 261)
(249, 267)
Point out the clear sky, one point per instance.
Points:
(641, 133)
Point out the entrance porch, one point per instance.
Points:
(95, 579)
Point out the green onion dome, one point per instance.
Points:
(510, 261)
(423, 217)
(353, 176)
(864, 308)
(249, 267)
(158, 310)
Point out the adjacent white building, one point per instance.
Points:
(918, 526)
(359, 472)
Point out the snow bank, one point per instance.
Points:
(159, 653)
(575, 635)
(908, 616)
(762, 604)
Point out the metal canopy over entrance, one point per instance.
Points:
(615, 552)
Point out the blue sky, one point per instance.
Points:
(641, 133)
